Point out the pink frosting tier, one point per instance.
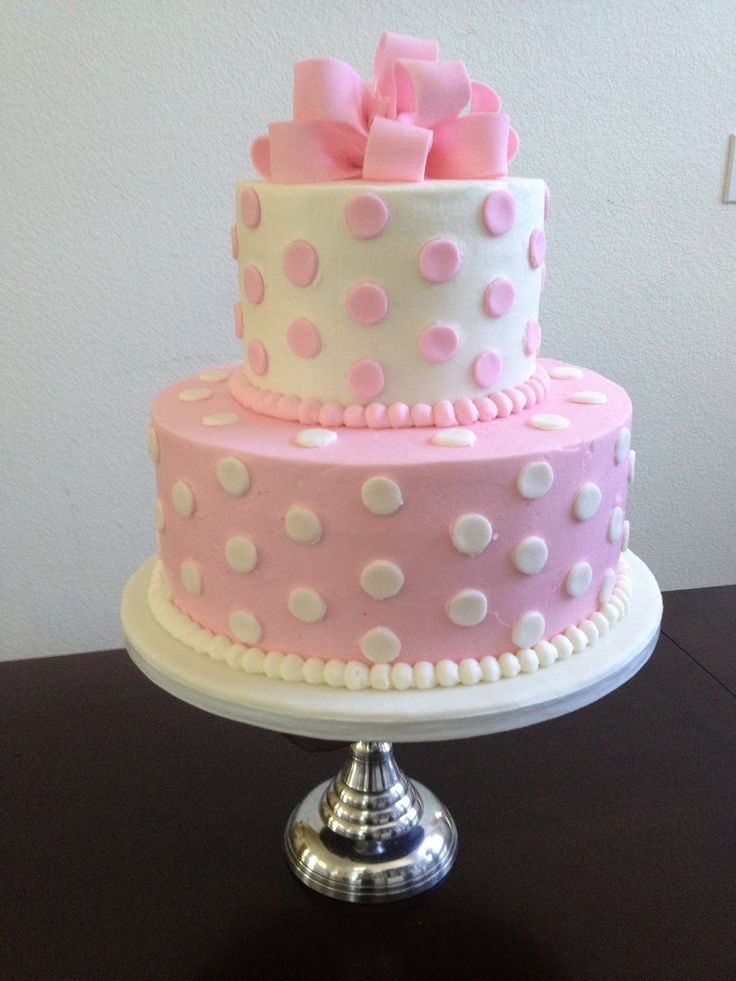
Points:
(408, 545)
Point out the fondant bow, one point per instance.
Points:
(410, 123)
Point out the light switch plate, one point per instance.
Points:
(729, 185)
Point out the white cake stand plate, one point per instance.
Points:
(372, 835)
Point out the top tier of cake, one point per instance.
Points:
(361, 299)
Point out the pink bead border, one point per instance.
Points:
(398, 415)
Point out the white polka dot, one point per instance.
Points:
(534, 480)
(306, 605)
(579, 579)
(213, 376)
(195, 394)
(381, 579)
(159, 521)
(303, 526)
(191, 577)
(471, 533)
(468, 608)
(587, 501)
(233, 476)
(381, 495)
(548, 421)
(589, 398)
(606, 590)
(632, 465)
(565, 371)
(153, 448)
(315, 438)
(625, 537)
(182, 499)
(220, 419)
(380, 644)
(241, 554)
(528, 629)
(623, 445)
(615, 525)
(453, 437)
(530, 555)
(245, 626)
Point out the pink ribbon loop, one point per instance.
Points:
(420, 118)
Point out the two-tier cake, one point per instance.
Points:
(391, 490)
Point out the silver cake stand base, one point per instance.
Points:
(372, 835)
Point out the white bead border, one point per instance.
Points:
(356, 676)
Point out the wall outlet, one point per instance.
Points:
(729, 185)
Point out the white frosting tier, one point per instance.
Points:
(355, 293)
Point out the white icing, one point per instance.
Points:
(623, 445)
(528, 629)
(587, 501)
(561, 371)
(315, 438)
(182, 499)
(579, 579)
(590, 630)
(453, 437)
(380, 644)
(292, 668)
(615, 524)
(272, 664)
(546, 653)
(244, 625)
(380, 677)
(402, 676)
(306, 605)
(549, 421)
(448, 674)
(381, 579)
(534, 480)
(159, 521)
(490, 669)
(528, 660)
(215, 375)
(530, 555)
(632, 465)
(471, 533)
(314, 670)
(381, 495)
(233, 476)
(303, 526)
(424, 675)
(334, 673)
(563, 646)
(153, 448)
(509, 665)
(357, 676)
(220, 419)
(589, 398)
(195, 394)
(577, 638)
(191, 577)
(468, 608)
(241, 554)
(470, 673)
(625, 537)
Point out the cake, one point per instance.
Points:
(390, 490)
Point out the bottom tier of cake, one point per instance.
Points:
(391, 558)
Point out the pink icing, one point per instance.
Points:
(257, 358)
(250, 208)
(499, 212)
(238, 313)
(365, 379)
(532, 337)
(253, 284)
(439, 260)
(366, 215)
(499, 297)
(438, 343)
(300, 263)
(303, 338)
(234, 242)
(537, 247)
(367, 303)
(487, 368)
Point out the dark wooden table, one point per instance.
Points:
(141, 838)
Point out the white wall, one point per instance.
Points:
(124, 127)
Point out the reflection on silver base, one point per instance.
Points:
(371, 835)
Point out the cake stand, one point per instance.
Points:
(371, 834)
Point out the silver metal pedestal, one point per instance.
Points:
(370, 835)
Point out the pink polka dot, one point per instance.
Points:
(438, 343)
(532, 337)
(250, 208)
(304, 339)
(499, 212)
(537, 247)
(257, 358)
(235, 242)
(546, 202)
(300, 263)
(439, 260)
(253, 284)
(499, 297)
(238, 311)
(367, 304)
(366, 215)
(365, 378)
(487, 368)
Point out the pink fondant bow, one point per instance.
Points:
(408, 124)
